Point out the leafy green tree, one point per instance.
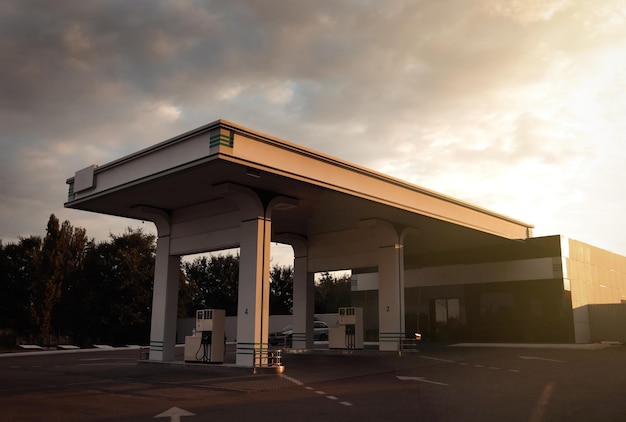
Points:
(17, 270)
(185, 297)
(127, 280)
(213, 282)
(331, 293)
(281, 290)
(60, 258)
(111, 302)
(72, 297)
(82, 307)
(67, 284)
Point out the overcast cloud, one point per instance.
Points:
(513, 105)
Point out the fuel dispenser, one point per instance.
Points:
(207, 344)
(349, 332)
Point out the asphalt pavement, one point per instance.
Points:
(435, 383)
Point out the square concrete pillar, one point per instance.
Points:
(303, 305)
(164, 302)
(390, 297)
(253, 296)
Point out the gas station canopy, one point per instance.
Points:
(327, 194)
(223, 186)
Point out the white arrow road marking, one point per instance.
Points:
(538, 358)
(420, 379)
(174, 414)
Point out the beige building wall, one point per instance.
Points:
(597, 280)
(596, 276)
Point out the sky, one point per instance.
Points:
(512, 105)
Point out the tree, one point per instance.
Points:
(61, 256)
(281, 290)
(213, 282)
(111, 301)
(67, 284)
(83, 302)
(17, 270)
(185, 297)
(126, 277)
(331, 293)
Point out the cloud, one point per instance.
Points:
(526, 11)
(514, 105)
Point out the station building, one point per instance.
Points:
(422, 261)
(543, 290)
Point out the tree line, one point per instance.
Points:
(66, 287)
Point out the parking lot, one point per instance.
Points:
(436, 383)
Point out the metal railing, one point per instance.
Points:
(144, 353)
(408, 344)
(265, 358)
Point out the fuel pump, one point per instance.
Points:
(207, 344)
(349, 331)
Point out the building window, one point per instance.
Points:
(447, 310)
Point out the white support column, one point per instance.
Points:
(303, 293)
(165, 289)
(303, 305)
(391, 325)
(164, 302)
(254, 289)
(390, 297)
(253, 303)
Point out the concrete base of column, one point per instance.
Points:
(389, 342)
(245, 355)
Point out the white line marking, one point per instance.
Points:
(290, 379)
(437, 359)
(493, 367)
(309, 388)
(544, 359)
(513, 370)
(98, 381)
(345, 403)
(542, 403)
(108, 364)
(332, 397)
(320, 392)
(479, 366)
(420, 379)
